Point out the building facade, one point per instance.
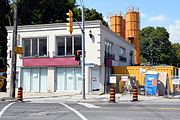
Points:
(48, 61)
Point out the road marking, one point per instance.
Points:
(4, 109)
(75, 111)
(89, 105)
(169, 108)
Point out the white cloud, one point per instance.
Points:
(143, 15)
(174, 31)
(158, 18)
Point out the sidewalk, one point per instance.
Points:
(76, 97)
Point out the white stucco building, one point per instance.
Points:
(48, 63)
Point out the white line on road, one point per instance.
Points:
(4, 109)
(89, 105)
(75, 111)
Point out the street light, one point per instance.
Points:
(70, 29)
(83, 50)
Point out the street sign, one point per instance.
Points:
(112, 79)
(18, 50)
(142, 70)
(176, 81)
(124, 78)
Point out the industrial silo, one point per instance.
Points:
(123, 28)
(117, 24)
(132, 31)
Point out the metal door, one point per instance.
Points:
(95, 78)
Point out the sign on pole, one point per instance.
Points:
(18, 50)
(112, 79)
(124, 78)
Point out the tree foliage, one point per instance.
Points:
(90, 15)
(52, 11)
(43, 11)
(4, 10)
(176, 54)
(155, 45)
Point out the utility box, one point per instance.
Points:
(151, 79)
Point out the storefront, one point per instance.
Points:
(34, 79)
(48, 61)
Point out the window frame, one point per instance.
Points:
(66, 38)
(30, 40)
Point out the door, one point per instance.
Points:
(95, 78)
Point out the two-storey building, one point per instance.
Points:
(48, 62)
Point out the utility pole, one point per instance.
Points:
(13, 60)
(83, 53)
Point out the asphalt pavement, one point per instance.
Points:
(57, 110)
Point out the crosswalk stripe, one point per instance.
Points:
(4, 109)
(88, 105)
(169, 108)
(75, 111)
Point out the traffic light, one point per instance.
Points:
(78, 55)
(70, 23)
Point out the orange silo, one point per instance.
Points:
(117, 24)
(132, 31)
(123, 28)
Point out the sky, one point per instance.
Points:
(156, 13)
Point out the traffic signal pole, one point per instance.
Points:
(83, 54)
(70, 29)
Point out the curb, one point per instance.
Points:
(8, 99)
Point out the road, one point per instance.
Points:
(89, 111)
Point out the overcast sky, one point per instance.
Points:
(162, 13)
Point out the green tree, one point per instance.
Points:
(43, 11)
(176, 54)
(51, 11)
(90, 15)
(3, 33)
(155, 45)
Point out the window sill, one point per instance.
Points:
(35, 57)
(63, 56)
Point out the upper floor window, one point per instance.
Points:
(67, 45)
(122, 51)
(122, 54)
(35, 47)
(108, 47)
